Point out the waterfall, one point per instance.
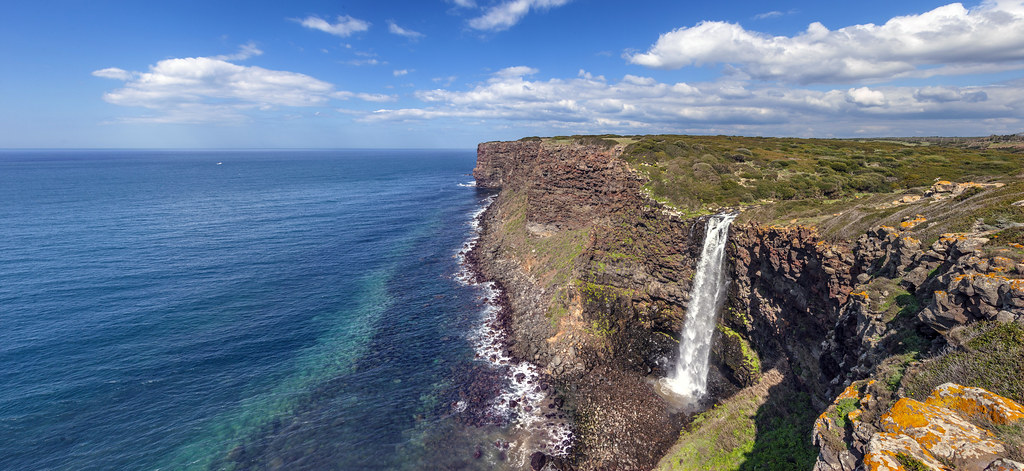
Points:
(689, 379)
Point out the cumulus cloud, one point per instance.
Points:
(212, 89)
(506, 14)
(345, 25)
(408, 33)
(865, 96)
(588, 103)
(950, 37)
(400, 72)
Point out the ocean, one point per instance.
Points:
(166, 310)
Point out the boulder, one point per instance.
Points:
(944, 434)
(976, 402)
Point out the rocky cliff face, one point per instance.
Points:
(598, 280)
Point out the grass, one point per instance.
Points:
(720, 438)
(1012, 435)
(784, 426)
(991, 357)
(762, 427)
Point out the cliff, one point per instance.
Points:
(598, 273)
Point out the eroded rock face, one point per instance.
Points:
(789, 286)
(942, 430)
(566, 186)
(617, 322)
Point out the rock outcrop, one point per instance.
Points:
(940, 433)
(598, 277)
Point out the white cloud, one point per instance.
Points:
(768, 14)
(506, 14)
(464, 3)
(948, 94)
(344, 27)
(408, 33)
(245, 51)
(113, 73)
(641, 104)
(516, 71)
(401, 72)
(375, 97)
(445, 81)
(359, 62)
(865, 96)
(211, 89)
(949, 39)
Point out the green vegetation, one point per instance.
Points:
(782, 441)
(720, 438)
(891, 371)
(739, 356)
(991, 357)
(1013, 436)
(759, 428)
(909, 463)
(843, 409)
(693, 172)
(600, 301)
(888, 297)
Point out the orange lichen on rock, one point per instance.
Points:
(883, 448)
(910, 223)
(943, 433)
(863, 294)
(976, 402)
(851, 391)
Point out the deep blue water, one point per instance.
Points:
(281, 309)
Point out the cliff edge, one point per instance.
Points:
(597, 265)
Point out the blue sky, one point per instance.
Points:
(452, 73)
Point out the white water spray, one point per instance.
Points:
(690, 377)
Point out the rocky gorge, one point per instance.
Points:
(824, 334)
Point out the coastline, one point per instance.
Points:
(540, 430)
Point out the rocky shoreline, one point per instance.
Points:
(516, 392)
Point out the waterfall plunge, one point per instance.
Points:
(689, 379)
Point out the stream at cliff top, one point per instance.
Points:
(690, 375)
(168, 310)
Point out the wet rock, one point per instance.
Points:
(538, 460)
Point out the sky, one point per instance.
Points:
(453, 73)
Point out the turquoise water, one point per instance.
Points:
(235, 310)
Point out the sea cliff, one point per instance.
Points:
(598, 269)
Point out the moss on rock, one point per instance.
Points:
(739, 356)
